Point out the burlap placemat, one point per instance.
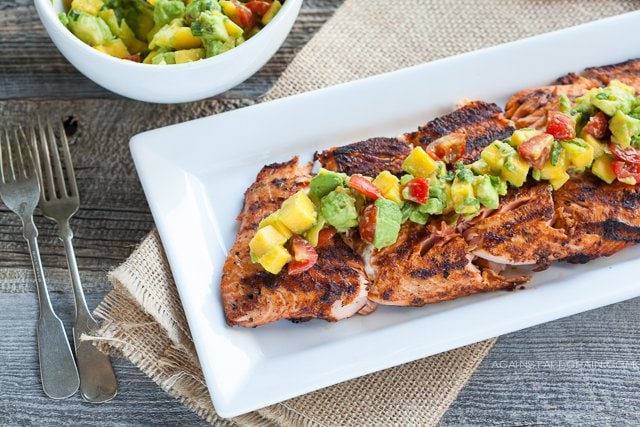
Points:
(143, 317)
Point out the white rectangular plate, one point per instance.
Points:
(194, 175)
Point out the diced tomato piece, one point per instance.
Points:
(134, 58)
(536, 150)
(560, 126)
(624, 171)
(325, 236)
(245, 17)
(598, 125)
(417, 190)
(629, 154)
(449, 148)
(304, 256)
(368, 220)
(363, 186)
(258, 7)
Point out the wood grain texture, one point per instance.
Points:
(583, 370)
(33, 68)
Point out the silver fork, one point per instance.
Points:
(20, 191)
(59, 200)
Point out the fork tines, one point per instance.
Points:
(55, 181)
(14, 164)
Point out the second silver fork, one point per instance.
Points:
(59, 200)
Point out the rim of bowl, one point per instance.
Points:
(51, 15)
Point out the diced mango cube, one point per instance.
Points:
(521, 135)
(419, 163)
(579, 153)
(495, 154)
(184, 39)
(560, 180)
(265, 239)
(550, 171)
(298, 213)
(598, 147)
(274, 259)
(92, 7)
(603, 168)
(233, 29)
(274, 220)
(515, 170)
(389, 185)
(188, 55)
(114, 48)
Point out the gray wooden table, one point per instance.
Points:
(582, 370)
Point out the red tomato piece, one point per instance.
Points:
(365, 187)
(625, 170)
(134, 58)
(304, 256)
(629, 154)
(417, 190)
(245, 17)
(325, 236)
(560, 126)
(449, 148)
(598, 125)
(368, 220)
(258, 7)
(536, 150)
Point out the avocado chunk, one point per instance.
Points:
(338, 208)
(388, 220)
(166, 11)
(196, 7)
(325, 182)
(623, 128)
(90, 29)
(499, 184)
(612, 99)
(486, 192)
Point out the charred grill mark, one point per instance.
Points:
(616, 230)
(471, 113)
(368, 157)
(627, 72)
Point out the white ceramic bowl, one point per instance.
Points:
(171, 83)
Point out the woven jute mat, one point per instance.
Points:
(143, 317)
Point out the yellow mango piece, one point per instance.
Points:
(149, 58)
(559, 181)
(274, 259)
(598, 147)
(229, 9)
(579, 153)
(419, 163)
(184, 39)
(298, 213)
(114, 48)
(273, 10)
(602, 167)
(515, 170)
(233, 29)
(389, 185)
(550, 171)
(521, 135)
(92, 7)
(274, 220)
(264, 239)
(189, 55)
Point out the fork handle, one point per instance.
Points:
(97, 379)
(58, 370)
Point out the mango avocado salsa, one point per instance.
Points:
(166, 31)
(599, 132)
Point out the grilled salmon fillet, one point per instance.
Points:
(627, 72)
(600, 219)
(520, 232)
(367, 158)
(428, 265)
(478, 122)
(333, 289)
(529, 107)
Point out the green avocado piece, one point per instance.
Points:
(166, 11)
(196, 7)
(499, 184)
(212, 27)
(623, 128)
(388, 220)
(434, 206)
(486, 192)
(164, 58)
(419, 217)
(88, 28)
(338, 208)
(325, 182)
(612, 99)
